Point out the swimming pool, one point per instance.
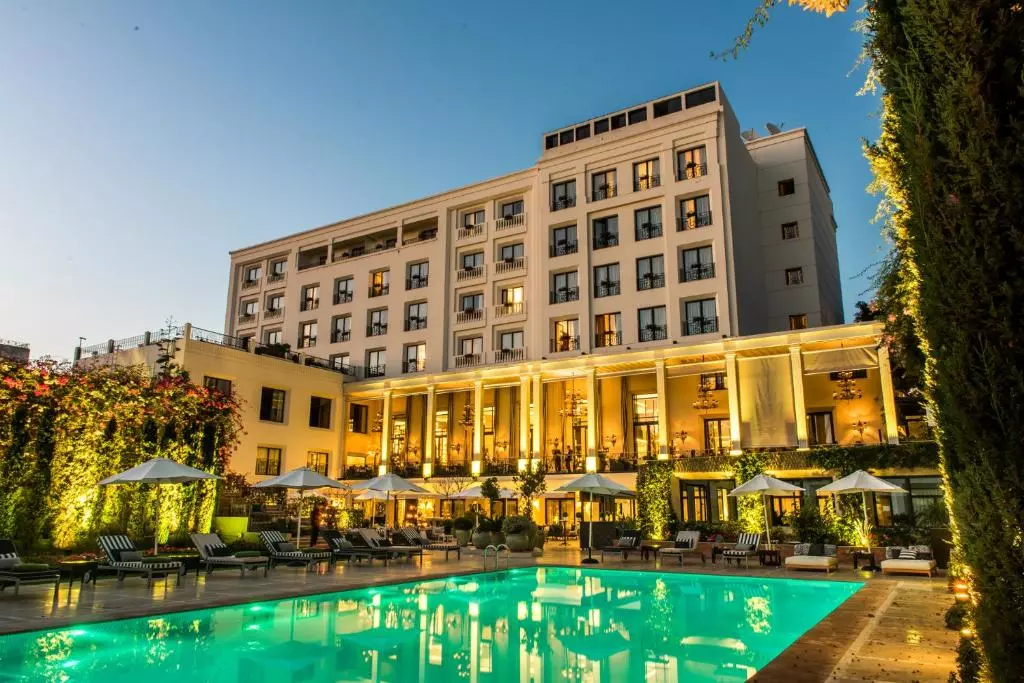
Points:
(526, 625)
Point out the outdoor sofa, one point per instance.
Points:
(914, 559)
(817, 556)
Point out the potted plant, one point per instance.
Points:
(463, 530)
(519, 533)
(482, 536)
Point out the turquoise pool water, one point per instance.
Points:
(524, 625)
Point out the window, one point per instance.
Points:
(320, 412)
(358, 418)
(582, 132)
(714, 381)
(645, 175)
(471, 302)
(701, 317)
(717, 435)
(416, 316)
(692, 163)
(600, 126)
(217, 385)
(551, 141)
(798, 321)
(268, 461)
(565, 287)
(317, 461)
(566, 336)
(565, 137)
(275, 302)
(669, 106)
(415, 358)
(416, 275)
(471, 346)
(650, 272)
(272, 336)
(510, 209)
(820, 428)
(471, 218)
(310, 298)
(563, 240)
(307, 335)
(510, 340)
(651, 322)
(699, 97)
(563, 195)
(249, 308)
(608, 330)
(376, 363)
(794, 276)
(511, 295)
(252, 274)
(695, 213)
(380, 282)
(277, 268)
(341, 328)
(378, 323)
(511, 252)
(341, 361)
(606, 280)
(272, 404)
(698, 264)
(787, 187)
(647, 223)
(473, 260)
(619, 121)
(645, 426)
(602, 185)
(790, 231)
(638, 116)
(606, 232)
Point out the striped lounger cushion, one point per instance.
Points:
(113, 546)
(745, 545)
(272, 538)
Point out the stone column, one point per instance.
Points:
(342, 432)
(478, 425)
(796, 366)
(428, 442)
(592, 416)
(537, 449)
(663, 436)
(732, 377)
(892, 434)
(524, 418)
(385, 432)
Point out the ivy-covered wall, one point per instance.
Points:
(654, 497)
(64, 429)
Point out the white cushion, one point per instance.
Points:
(814, 561)
(908, 565)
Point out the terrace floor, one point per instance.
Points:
(891, 630)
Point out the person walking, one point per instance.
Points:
(314, 525)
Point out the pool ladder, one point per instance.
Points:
(497, 553)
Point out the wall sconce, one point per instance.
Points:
(591, 463)
(681, 435)
(475, 468)
(428, 470)
(382, 470)
(859, 426)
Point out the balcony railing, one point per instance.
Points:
(469, 273)
(650, 281)
(609, 288)
(307, 342)
(468, 231)
(309, 304)
(510, 265)
(416, 282)
(565, 294)
(603, 240)
(697, 271)
(421, 236)
(341, 336)
(249, 284)
(469, 360)
(605, 339)
(565, 343)
(379, 290)
(692, 170)
(376, 370)
(469, 315)
(505, 310)
(344, 296)
(653, 333)
(646, 183)
(559, 203)
(648, 231)
(509, 355)
(376, 329)
(700, 326)
(603, 192)
(509, 222)
(415, 324)
(564, 248)
(273, 313)
(692, 221)
(417, 365)
(276, 278)
(246, 318)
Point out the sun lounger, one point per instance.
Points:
(124, 558)
(745, 548)
(375, 540)
(15, 572)
(686, 544)
(282, 551)
(344, 549)
(627, 543)
(811, 556)
(214, 552)
(416, 537)
(915, 559)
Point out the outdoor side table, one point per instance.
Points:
(716, 552)
(83, 570)
(650, 548)
(769, 557)
(864, 556)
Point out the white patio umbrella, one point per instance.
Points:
(603, 486)
(158, 471)
(764, 486)
(372, 495)
(475, 492)
(392, 483)
(861, 482)
(303, 479)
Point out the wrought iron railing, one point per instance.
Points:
(691, 221)
(376, 329)
(344, 296)
(653, 333)
(646, 183)
(341, 336)
(603, 240)
(416, 282)
(565, 343)
(650, 281)
(379, 290)
(565, 294)
(604, 339)
(418, 365)
(697, 271)
(602, 289)
(564, 248)
(415, 324)
(700, 326)
(603, 192)
(559, 203)
(647, 231)
(692, 170)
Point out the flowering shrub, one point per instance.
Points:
(63, 429)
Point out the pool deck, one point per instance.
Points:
(891, 630)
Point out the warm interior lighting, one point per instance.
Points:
(428, 470)
(382, 470)
(521, 465)
(591, 463)
(475, 468)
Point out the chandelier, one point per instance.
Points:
(574, 407)
(705, 398)
(466, 420)
(378, 424)
(846, 387)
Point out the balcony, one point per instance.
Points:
(650, 281)
(564, 248)
(511, 265)
(309, 304)
(379, 290)
(653, 333)
(603, 192)
(506, 310)
(607, 288)
(416, 282)
(376, 329)
(469, 315)
(565, 343)
(312, 258)
(603, 240)
(341, 336)
(469, 231)
(692, 170)
(693, 220)
(469, 360)
(376, 370)
(697, 271)
(367, 244)
(416, 365)
(419, 231)
(273, 313)
(509, 222)
(509, 355)
(246, 319)
(646, 183)
(307, 342)
(344, 296)
(565, 294)
(249, 284)
(415, 324)
(700, 326)
(606, 339)
(559, 203)
(472, 273)
(276, 279)
(648, 231)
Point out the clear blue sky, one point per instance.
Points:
(141, 141)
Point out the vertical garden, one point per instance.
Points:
(63, 429)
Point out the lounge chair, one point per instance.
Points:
(214, 552)
(416, 537)
(813, 556)
(686, 544)
(375, 540)
(624, 545)
(281, 550)
(15, 572)
(915, 559)
(343, 549)
(745, 548)
(124, 558)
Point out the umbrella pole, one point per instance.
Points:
(767, 520)
(298, 521)
(156, 523)
(590, 534)
(867, 528)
